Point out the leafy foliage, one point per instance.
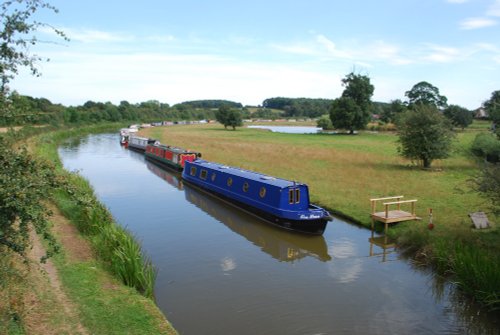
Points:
(325, 123)
(459, 116)
(17, 35)
(24, 184)
(344, 112)
(492, 107)
(209, 104)
(392, 111)
(486, 146)
(303, 107)
(352, 110)
(423, 93)
(487, 183)
(229, 117)
(424, 135)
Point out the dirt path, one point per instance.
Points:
(47, 288)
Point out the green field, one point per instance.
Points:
(343, 172)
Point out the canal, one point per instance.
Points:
(221, 271)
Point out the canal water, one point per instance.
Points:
(221, 271)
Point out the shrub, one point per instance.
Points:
(486, 146)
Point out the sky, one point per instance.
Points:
(248, 51)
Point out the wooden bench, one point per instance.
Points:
(392, 215)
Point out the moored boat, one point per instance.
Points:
(139, 143)
(171, 157)
(124, 136)
(280, 202)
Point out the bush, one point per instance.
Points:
(325, 123)
(486, 146)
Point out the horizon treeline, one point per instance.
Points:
(28, 110)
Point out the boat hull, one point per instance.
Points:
(312, 226)
(164, 162)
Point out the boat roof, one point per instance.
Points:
(251, 175)
(173, 149)
(139, 138)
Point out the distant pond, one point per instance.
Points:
(290, 129)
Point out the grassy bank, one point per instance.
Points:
(104, 305)
(344, 172)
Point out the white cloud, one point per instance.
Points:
(477, 23)
(494, 9)
(443, 54)
(331, 48)
(93, 36)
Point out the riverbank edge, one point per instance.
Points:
(82, 280)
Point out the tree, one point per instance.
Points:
(234, 119)
(17, 35)
(424, 93)
(229, 117)
(222, 114)
(343, 113)
(324, 123)
(390, 113)
(492, 107)
(352, 110)
(459, 116)
(424, 135)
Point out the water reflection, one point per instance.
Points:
(282, 245)
(173, 179)
(381, 246)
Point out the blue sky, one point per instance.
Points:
(247, 51)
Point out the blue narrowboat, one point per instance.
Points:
(280, 202)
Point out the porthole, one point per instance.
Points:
(262, 192)
(229, 181)
(213, 176)
(245, 187)
(203, 174)
(193, 171)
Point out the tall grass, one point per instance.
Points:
(77, 201)
(474, 270)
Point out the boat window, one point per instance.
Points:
(193, 171)
(297, 196)
(203, 174)
(290, 196)
(229, 181)
(245, 187)
(213, 176)
(262, 192)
